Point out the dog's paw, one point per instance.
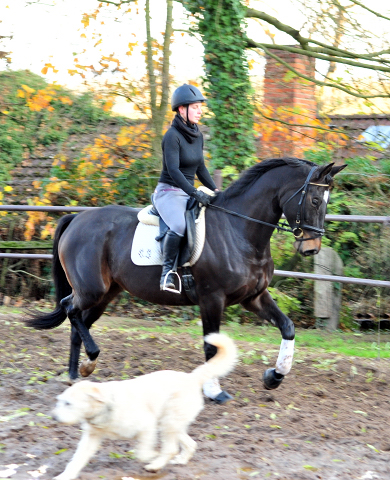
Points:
(156, 465)
(180, 459)
(146, 455)
(61, 476)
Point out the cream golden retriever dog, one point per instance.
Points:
(162, 403)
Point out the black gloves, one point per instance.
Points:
(202, 197)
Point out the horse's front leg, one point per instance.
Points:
(211, 309)
(265, 307)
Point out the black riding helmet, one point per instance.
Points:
(185, 95)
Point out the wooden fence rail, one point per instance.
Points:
(384, 220)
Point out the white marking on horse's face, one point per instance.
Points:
(326, 196)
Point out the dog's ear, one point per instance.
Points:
(95, 393)
(100, 407)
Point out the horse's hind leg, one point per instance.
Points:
(75, 347)
(89, 317)
(265, 307)
(78, 325)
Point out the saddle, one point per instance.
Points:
(191, 244)
(187, 244)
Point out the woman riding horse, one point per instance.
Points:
(182, 148)
(92, 260)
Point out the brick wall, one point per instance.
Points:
(38, 166)
(289, 97)
(354, 126)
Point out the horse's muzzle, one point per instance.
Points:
(309, 245)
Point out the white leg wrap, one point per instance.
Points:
(211, 388)
(286, 353)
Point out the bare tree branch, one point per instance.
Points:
(289, 124)
(307, 50)
(377, 14)
(166, 54)
(319, 82)
(149, 61)
(338, 35)
(121, 2)
(132, 99)
(312, 53)
(252, 13)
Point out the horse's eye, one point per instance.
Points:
(315, 201)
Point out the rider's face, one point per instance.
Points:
(194, 112)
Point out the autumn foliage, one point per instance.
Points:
(112, 170)
(292, 131)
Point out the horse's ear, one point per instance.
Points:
(322, 171)
(329, 169)
(336, 170)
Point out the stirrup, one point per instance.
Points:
(173, 290)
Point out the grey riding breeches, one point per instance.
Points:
(171, 203)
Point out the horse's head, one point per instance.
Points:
(305, 208)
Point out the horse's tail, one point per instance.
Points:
(45, 321)
(222, 363)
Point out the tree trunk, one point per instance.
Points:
(158, 109)
(226, 82)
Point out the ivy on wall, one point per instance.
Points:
(226, 82)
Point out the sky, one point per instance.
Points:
(50, 31)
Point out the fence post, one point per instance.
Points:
(327, 295)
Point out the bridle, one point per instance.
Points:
(297, 230)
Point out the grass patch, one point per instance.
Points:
(342, 343)
(260, 338)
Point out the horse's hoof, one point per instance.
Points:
(66, 379)
(222, 398)
(87, 366)
(272, 379)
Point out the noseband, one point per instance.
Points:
(297, 230)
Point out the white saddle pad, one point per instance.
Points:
(147, 251)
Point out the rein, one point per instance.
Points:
(297, 231)
(289, 230)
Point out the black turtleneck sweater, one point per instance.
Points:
(182, 159)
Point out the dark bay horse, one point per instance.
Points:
(92, 261)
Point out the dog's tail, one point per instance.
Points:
(222, 363)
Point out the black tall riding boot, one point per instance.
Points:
(170, 251)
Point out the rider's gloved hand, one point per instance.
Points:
(202, 197)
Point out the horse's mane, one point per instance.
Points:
(250, 175)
